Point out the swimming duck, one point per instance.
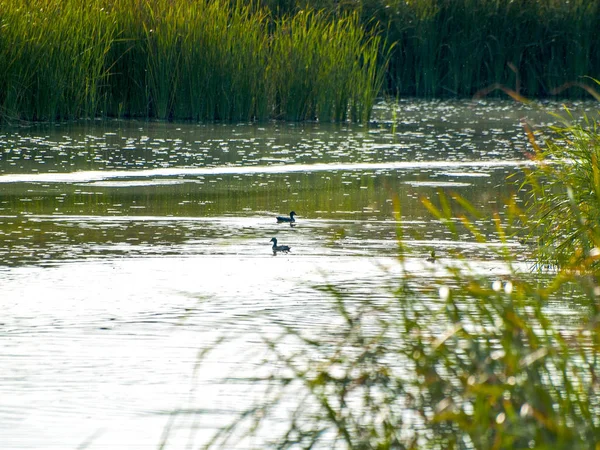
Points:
(432, 257)
(279, 248)
(287, 219)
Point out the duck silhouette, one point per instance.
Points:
(282, 219)
(432, 257)
(279, 248)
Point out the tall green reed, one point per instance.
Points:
(163, 44)
(457, 48)
(324, 69)
(206, 61)
(564, 192)
(194, 59)
(53, 58)
(128, 89)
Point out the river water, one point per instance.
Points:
(126, 247)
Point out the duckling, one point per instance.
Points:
(290, 219)
(279, 248)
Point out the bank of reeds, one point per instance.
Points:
(193, 59)
(52, 58)
(459, 47)
(317, 69)
(224, 60)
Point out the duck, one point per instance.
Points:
(279, 248)
(290, 219)
(431, 257)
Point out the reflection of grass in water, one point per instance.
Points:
(366, 194)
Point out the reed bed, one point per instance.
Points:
(224, 60)
(456, 48)
(459, 47)
(194, 59)
(322, 74)
(52, 59)
(564, 194)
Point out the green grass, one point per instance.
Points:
(224, 60)
(299, 60)
(325, 69)
(53, 59)
(456, 48)
(193, 59)
(564, 193)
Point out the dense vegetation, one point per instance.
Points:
(200, 60)
(564, 202)
(285, 59)
(460, 47)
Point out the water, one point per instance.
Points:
(125, 247)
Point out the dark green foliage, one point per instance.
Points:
(52, 59)
(224, 60)
(460, 47)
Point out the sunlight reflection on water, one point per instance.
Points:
(95, 176)
(127, 247)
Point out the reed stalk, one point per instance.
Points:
(225, 60)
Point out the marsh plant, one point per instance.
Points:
(448, 48)
(191, 59)
(294, 60)
(459, 47)
(53, 59)
(564, 202)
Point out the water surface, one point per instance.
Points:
(125, 247)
